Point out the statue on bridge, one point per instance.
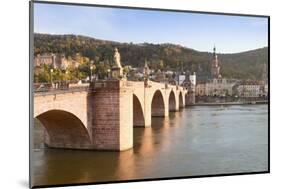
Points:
(117, 70)
(117, 58)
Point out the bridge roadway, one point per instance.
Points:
(103, 117)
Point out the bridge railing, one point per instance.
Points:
(50, 90)
(116, 84)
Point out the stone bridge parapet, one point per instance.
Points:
(103, 118)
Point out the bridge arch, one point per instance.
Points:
(138, 116)
(64, 130)
(157, 104)
(172, 101)
(181, 105)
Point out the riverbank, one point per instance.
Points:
(229, 103)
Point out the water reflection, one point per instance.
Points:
(194, 141)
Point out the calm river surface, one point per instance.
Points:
(195, 141)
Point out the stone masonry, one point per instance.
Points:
(103, 119)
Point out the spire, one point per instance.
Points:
(214, 49)
(215, 68)
(146, 68)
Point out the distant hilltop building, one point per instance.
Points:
(215, 68)
(57, 61)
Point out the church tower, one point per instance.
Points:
(215, 68)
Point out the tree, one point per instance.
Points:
(126, 70)
(161, 65)
(245, 65)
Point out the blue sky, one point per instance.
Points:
(230, 34)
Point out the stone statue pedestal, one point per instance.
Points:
(117, 73)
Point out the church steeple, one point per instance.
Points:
(215, 68)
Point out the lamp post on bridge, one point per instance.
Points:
(91, 70)
(51, 75)
(146, 73)
(108, 73)
(66, 73)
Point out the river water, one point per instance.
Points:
(200, 140)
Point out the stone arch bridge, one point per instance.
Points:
(103, 118)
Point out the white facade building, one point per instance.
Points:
(266, 89)
(192, 79)
(219, 87)
(181, 79)
(249, 90)
(200, 89)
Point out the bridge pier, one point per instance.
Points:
(147, 106)
(103, 118)
(166, 109)
(113, 117)
(190, 98)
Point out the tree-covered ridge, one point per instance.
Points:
(245, 65)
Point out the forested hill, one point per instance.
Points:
(245, 65)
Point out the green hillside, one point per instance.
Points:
(245, 65)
